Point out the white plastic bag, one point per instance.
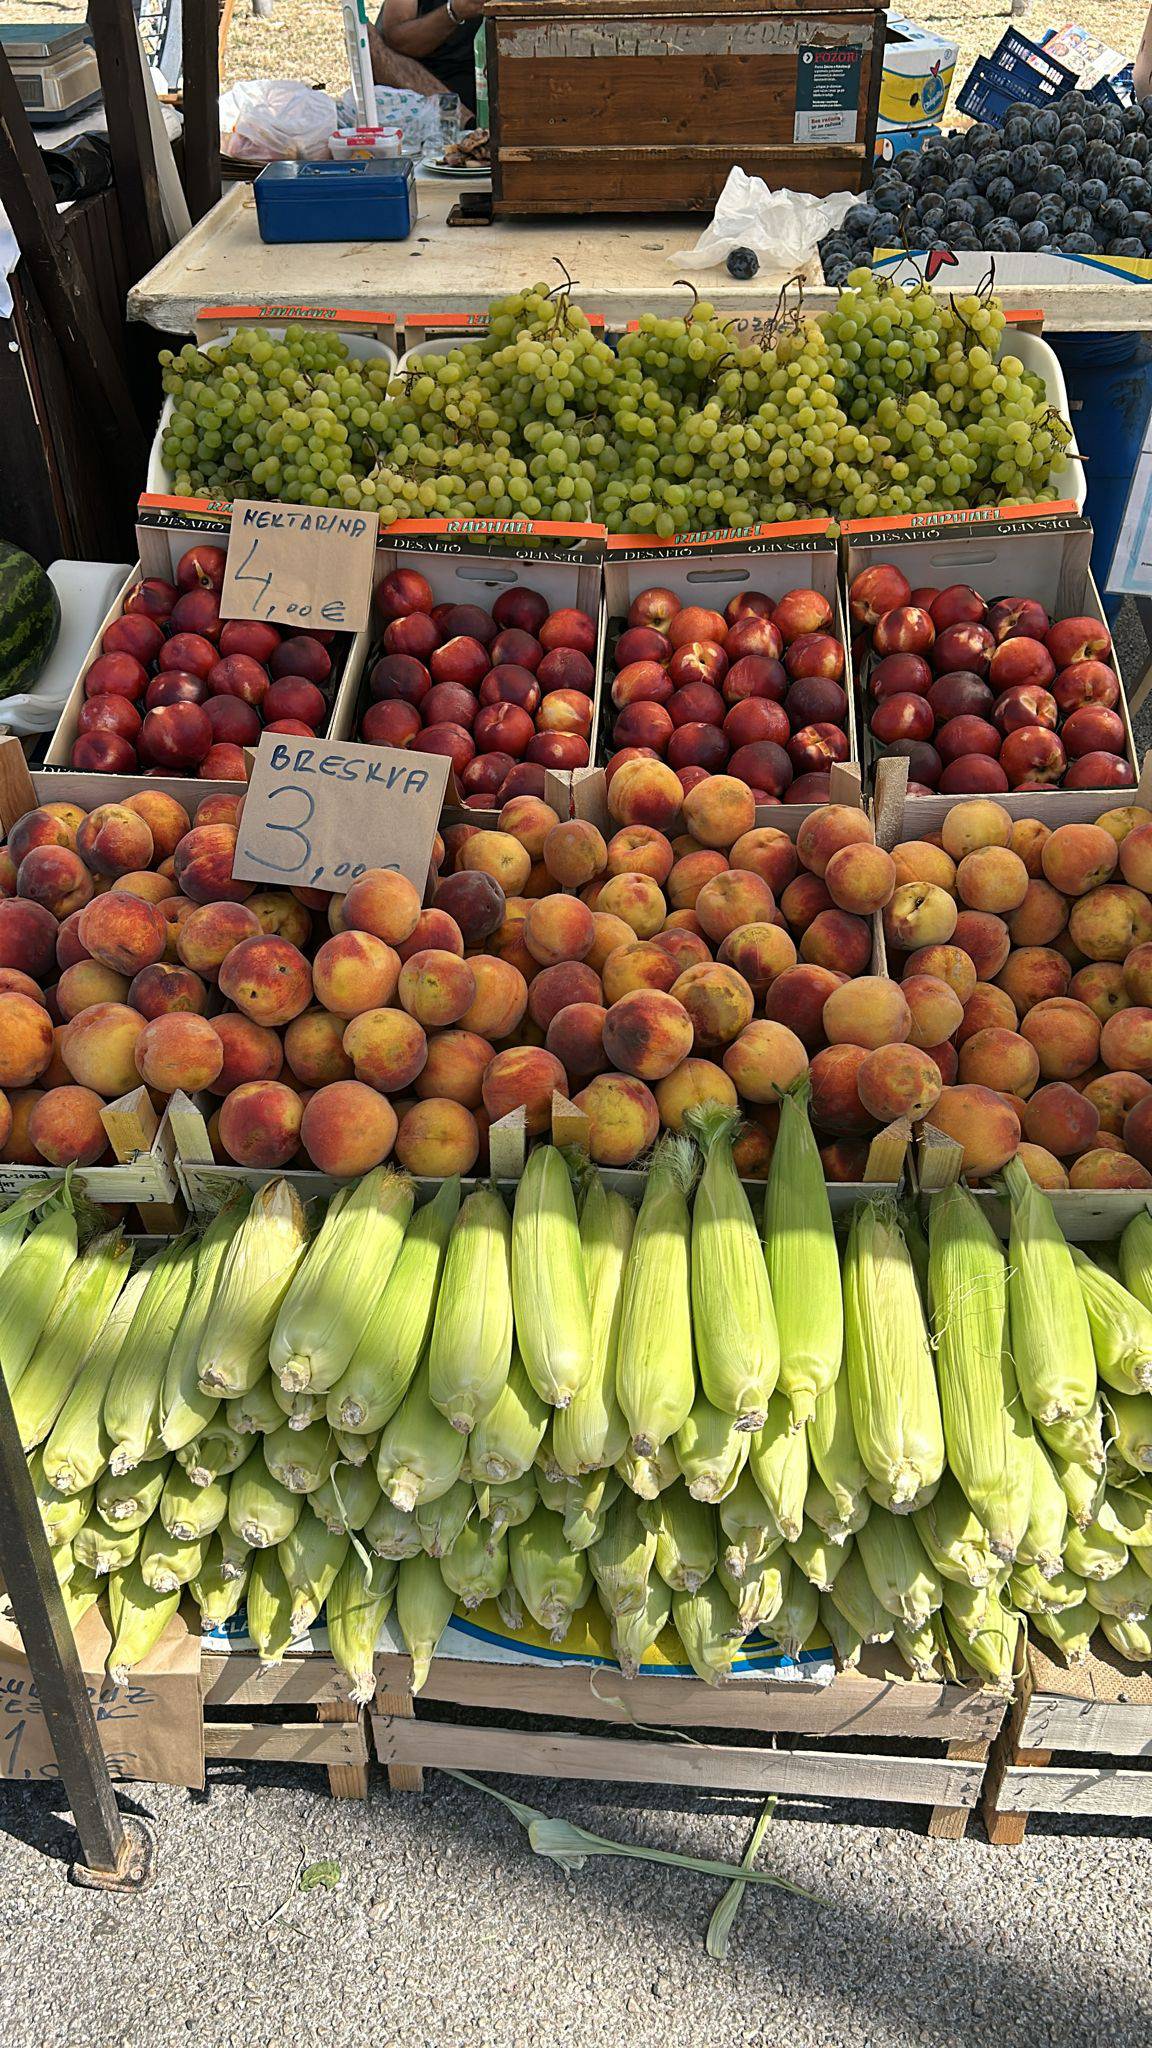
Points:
(269, 120)
(783, 228)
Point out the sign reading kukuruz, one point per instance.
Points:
(301, 565)
(318, 814)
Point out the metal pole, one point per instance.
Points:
(117, 1852)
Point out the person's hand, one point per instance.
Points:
(469, 10)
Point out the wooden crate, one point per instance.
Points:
(1063, 1748)
(873, 1734)
(625, 106)
(297, 1712)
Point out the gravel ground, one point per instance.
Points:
(445, 1928)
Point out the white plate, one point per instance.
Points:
(437, 168)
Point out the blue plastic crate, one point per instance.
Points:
(1029, 64)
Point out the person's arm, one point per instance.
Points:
(390, 68)
(1142, 69)
(421, 35)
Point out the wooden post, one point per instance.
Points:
(345, 1781)
(400, 1706)
(201, 105)
(115, 35)
(950, 1823)
(132, 1124)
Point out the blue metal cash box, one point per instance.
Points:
(358, 201)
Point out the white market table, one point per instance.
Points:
(619, 268)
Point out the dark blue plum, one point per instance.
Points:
(1077, 221)
(1093, 194)
(1000, 194)
(1024, 207)
(982, 213)
(1046, 125)
(1024, 166)
(1093, 124)
(982, 138)
(1034, 235)
(1113, 130)
(1051, 179)
(1080, 245)
(1002, 234)
(1136, 194)
(1126, 245)
(1072, 136)
(1099, 160)
(1113, 215)
(1017, 130)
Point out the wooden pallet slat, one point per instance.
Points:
(340, 1745)
(1098, 1712)
(336, 1740)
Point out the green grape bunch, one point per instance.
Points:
(895, 401)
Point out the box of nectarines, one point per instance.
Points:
(982, 657)
(170, 685)
(728, 656)
(487, 647)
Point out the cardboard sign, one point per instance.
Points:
(317, 813)
(301, 565)
(152, 1727)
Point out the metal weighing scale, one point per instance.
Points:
(55, 68)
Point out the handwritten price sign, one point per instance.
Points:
(301, 565)
(317, 814)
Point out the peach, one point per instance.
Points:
(575, 1036)
(41, 827)
(1034, 975)
(1066, 1036)
(167, 820)
(935, 1009)
(455, 1067)
(1137, 1133)
(433, 928)
(635, 898)
(971, 825)
(999, 1059)
(313, 1047)
(765, 1060)
(1107, 1169)
(797, 998)
(206, 936)
(719, 811)
(988, 1008)
(719, 1003)
(347, 1129)
(353, 972)
(693, 1084)
(1138, 975)
(436, 988)
(845, 1159)
(759, 952)
(113, 840)
(143, 882)
(55, 877)
(681, 943)
(26, 1042)
(623, 1118)
(1110, 922)
(1113, 1095)
(282, 915)
(437, 1138)
(384, 904)
(769, 854)
(562, 927)
(1039, 917)
(802, 902)
(178, 1050)
(89, 981)
(643, 964)
(861, 878)
(837, 940)
(915, 860)
(828, 830)
(216, 810)
(554, 988)
(259, 1123)
(731, 900)
(1135, 857)
(919, 914)
(1101, 986)
(575, 853)
(16, 1147)
(1124, 820)
(752, 1152)
(13, 983)
(99, 1048)
(475, 901)
(123, 932)
(691, 873)
(202, 865)
(497, 854)
(28, 935)
(985, 939)
(65, 1127)
(1062, 1120)
(499, 1000)
(162, 990)
(992, 878)
(1041, 1166)
(647, 1033)
(836, 1104)
(1126, 1042)
(684, 921)
(869, 1011)
(944, 963)
(644, 792)
(268, 979)
(524, 1077)
(898, 1080)
(1077, 858)
(981, 1123)
(387, 1048)
(1029, 837)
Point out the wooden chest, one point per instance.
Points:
(644, 106)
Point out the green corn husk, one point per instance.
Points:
(1094, 1553)
(1070, 1631)
(62, 1515)
(711, 1451)
(420, 1454)
(78, 1447)
(324, 1313)
(778, 1462)
(587, 1501)
(899, 1570)
(552, 1581)
(101, 1548)
(64, 1565)
(836, 1456)
(216, 1453)
(707, 1625)
(15, 1222)
(235, 1554)
(549, 1286)
(685, 1532)
(846, 1640)
(143, 1612)
(395, 1337)
(796, 1617)
(253, 1281)
(508, 1435)
(1131, 1639)
(1078, 1438)
(189, 1511)
(1032, 1593)
(979, 1400)
(1132, 1421)
(647, 1477)
(758, 1593)
(74, 1323)
(920, 1649)
(1043, 1541)
(634, 1634)
(33, 1277)
(302, 1409)
(391, 1532)
(733, 1320)
(300, 1459)
(1136, 1257)
(217, 1592)
(165, 1563)
(591, 1432)
(545, 1466)
(819, 1560)
(441, 1520)
(310, 1557)
(1050, 1333)
(358, 1605)
(184, 1409)
(424, 1606)
(261, 1512)
(1126, 1512)
(970, 1606)
(891, 1382)
(130, 1499)
(357, 1450)
(507, 1504)
(820, 1507)
(623, 1559)
(802, 1260)
(348, 1498)
(553, 1492)
(269, 1607)
(1127, 1594)
(991, 1649)
(955, 1538)
(1121, 1327)
(853, 1598)
(80, 1592)
(471, 1349)
(474, 1569)
(1083, 1490)
(132, 1402)
(655, 1376)
(257, 1412)
(748, 1526)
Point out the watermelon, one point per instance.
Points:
(29, 619)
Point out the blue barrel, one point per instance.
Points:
(1109, 379)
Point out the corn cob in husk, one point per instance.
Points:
(955, 1538)
(655, 1376)
(508, 1435)
(733, 1320)
(184, 1409)
(441, 1520)
(358, 1605)
(132, 1402)
(420, 1455)
(63, 1515)
(710, 1451)
(310, 1557)
(891, 1382)
(707, 1625)
(802, 1260)
(1069, 1630)
(392, 1532)
(129, 1499)
(634, 1634)
(475, 1569)
(552, 1581)
(846, 1640)
(69, 1336)
(819, 1560)
(167, 1564)
(217, 1452)
(586, 1503)
(256, 1412)
(261, 1512)
(348, 1498)
(323, 1315)
(1121, 1327)
(253, 1281)
(269, 1608)
(102, 1549)
(685, 1532)
(1050, 1333)
(1131, 1639)
(549, 1287)
(797, 1615)
(300, 1459)
(592, 1432)
(424, 1606)
(899, 1570)
(471, 1348)
(143, 1612)
(33, 1277)
(778, 1462)
(622, 1560)
(396, 1334)
(78, 1447)
(836, 1456)
(1132, 1421)
(1127, 1594)
(853, 1596)
(218, 1593)
(757, 1593)
(188, 1511)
